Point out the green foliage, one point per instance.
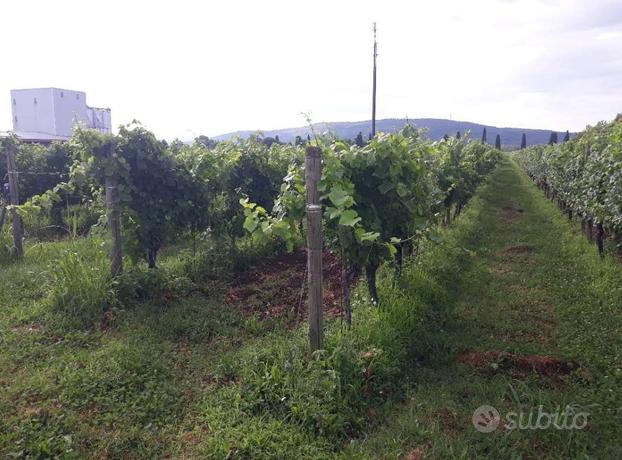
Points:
(140, 284)
(159, 194)
(44, 194)
(379, 196)
(585, 173)
(233, 170)
(81, 218)
(393, 194)
(377, 199)
(6, 243)
(461, 166)
(321, 394)
(80, 287)
(40, 167)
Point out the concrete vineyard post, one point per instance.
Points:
(313, 172)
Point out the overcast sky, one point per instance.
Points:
(185, 68)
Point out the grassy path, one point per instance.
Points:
(534, 286)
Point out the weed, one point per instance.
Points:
(81, 285)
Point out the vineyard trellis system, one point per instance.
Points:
(583, 176)
(378, 201)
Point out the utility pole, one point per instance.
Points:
(373, 103)
(18, 231)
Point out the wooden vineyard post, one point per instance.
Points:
(18, 231)
(590, 230)
(313, 172)
(112, 206)
(600, 239)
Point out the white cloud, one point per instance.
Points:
(185, 67)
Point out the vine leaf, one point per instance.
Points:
(349, 218)
(339, 197)
(250, 224)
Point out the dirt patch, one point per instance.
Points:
(543, 336)
(518, 365)
(277, 287)
(501, 269)
(449, 421)
(30, 329)
(416, 454)
(517, 249)
(109, 320)
(511, 213)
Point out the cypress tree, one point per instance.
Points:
(498, 142)
(553, 138)
(567, 137)
(484, 140)
(359, 139)
(523, 142)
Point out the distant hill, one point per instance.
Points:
(437, 128)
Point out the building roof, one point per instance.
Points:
(50, 88)
(39, 137)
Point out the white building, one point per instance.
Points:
(48, 114)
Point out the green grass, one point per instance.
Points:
(178, 372)
(553, 297)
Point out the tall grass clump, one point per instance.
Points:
(6, 243)
(80, 284)
(140, 283)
